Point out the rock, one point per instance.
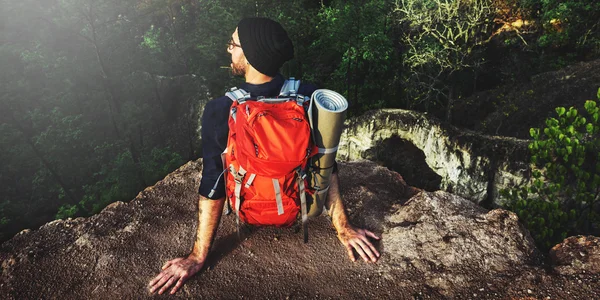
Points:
(468, 164)
(513, 109)
(445, 236)
(576, 255)
(434, 245)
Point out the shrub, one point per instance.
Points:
(562, 197)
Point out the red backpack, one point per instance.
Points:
(268, 149)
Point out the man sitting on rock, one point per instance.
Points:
(258, 48)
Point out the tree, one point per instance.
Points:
(443, 40)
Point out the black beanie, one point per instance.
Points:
(265, 43)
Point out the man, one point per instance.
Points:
(258, 48)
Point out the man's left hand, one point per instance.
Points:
(358, 239)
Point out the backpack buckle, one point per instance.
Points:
(237, 176)
(301, 173)
(299, 99)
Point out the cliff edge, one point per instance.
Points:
(434, 245)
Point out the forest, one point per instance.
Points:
(100, 99)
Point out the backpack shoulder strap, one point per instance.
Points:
(290, 87)
(238, 95)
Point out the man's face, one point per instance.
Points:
(239, 64)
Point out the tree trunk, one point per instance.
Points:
(450, 105)
(45, 162)
(135, 156)
(113, 100)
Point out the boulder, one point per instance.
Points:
(446, 237)
(434, 245)
(577, 254)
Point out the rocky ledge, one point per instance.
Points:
(434, 245)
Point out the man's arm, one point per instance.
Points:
(178, 270)
(352, 238)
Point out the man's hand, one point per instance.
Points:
(352, 238)
(175, 271)
(358, 239)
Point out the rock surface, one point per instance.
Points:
(469, 164)
(434, 246)
(577, 254)
(512, 109)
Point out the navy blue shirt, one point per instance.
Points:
(215, 130)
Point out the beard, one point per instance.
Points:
(238, 69)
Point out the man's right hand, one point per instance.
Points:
(175, 271)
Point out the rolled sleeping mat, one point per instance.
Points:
(326, 113)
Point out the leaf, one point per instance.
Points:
(560, 110)
(589, 128)
(589, 105)
(532, 132)
(555, 204)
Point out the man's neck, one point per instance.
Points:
(255, 77)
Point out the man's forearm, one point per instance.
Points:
(334, 204)
(209, 216)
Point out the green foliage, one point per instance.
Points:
(66, 211)
(569, 26)
(151, 39)
(571, 23)
(444, 41)
(116, 181)
(99, 98)
(90, 89)
(562, 198)
(353, 53)
(159, 163)
(119, 181)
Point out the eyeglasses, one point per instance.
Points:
(231, 44)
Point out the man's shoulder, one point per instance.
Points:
(218, 103)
